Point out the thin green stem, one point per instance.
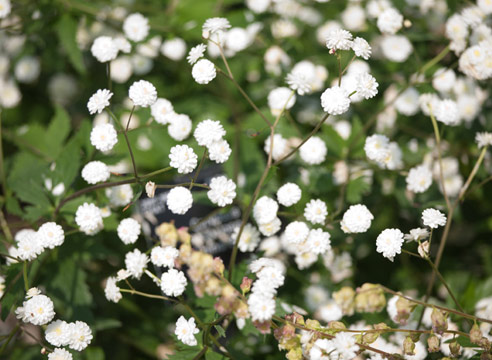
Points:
(473, 173)
(3, 178)
(202, 160)
(11, 335)
(5, 228)
(24, 274)
(439, 154)
(152, 296)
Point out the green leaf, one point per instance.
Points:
(94, 353)
(212, 355)
(66, 29)
(67, 165)
(356, 188)
(14, 286)
(220, 330)
(57, 132)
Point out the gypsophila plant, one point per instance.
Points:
(257, 179)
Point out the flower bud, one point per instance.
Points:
(414, 336)
(433, 344)
(370, 298)
(295, 318)
(369, 338)
(404, 308)
(263, 327)
(167, 234)
(218, 266)
(246, 284)
(381, 326)
(294, 354)
(183, 235)
(345, 299)
(150, 189)
(408, 346)
(485, 356)
(423, 249)
(455, 348)
(312, 324)
(338, 325)
(439, 321)
(475, 334)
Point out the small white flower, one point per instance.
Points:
(142, 93)
(196, 53)
(120, 195)
(99, 101)
(5, 8)
(174, 49)
(447, 112)
(345, 345)
(357, 219)
(271, 228)
(261, 307)
(104, 137)
(390, 21)
(173, 282)
(203, 71)
(186, 330)
(57, 333)
(298, 82)
(29, 246)
(219, 151)
(483, 139)
(51, 235)
(38, 310)
(112, 291)
(389, 243)
(222, 191)
(179, 200)
(296, 232)
(80, 335)
(150, 189)
(361, 48)
(208, 131)
(89, 218)
(214, 25)
(318, 241)
(339, 39)
(265, 210)
(179, 126)
(95, 172)
(183, 158)
(417, 234)
(313, 151)
(367, 86)
(104, 49)
(376, 148)
(289, 194)
(162, 110)
(60, 354)
(250, 237)
(315, 211)
(433, 218)
(136, 27)
(129, 230)
(164, 256)
(136, 263)
(419, 179)
(279, 99)
(335, 100)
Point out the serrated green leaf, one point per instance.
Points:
(66, 29)
(57, 132)
(356, 189)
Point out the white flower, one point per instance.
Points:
(219, 151)
(80, 335)
(447, 112)
(289, 194)
(483, 139)
(261, 263)
(367, 86)
(339, 39)
(50, 235)
(313, 151)
(389, 243)
(136, 27)
(250, 237)
(419, 179)
(396, 48)
(38, 310)
(203, 71)
(361, 48)
(164, 256)
(357, 219)
(377, 148)
(271, 228)
(104, 137)
(179, 200)
(10, 95)
(315, 211)
(318, 241)
(296, 232)
(162, 110)
(29, 245)
(120, 195)
(417, 234)
(129, 230)
(186, 330)
(57, 333)
(183, 158)
(89, 218)
(433, 218)
(214, 25)
(112, 291)
(196, 53)
(104, 49)
(485, 6)
(321, 349)
(298, 82)
(142, 93)
(99, 101)
(27, 69)
(335, 100)
(261, 307)
(280, 146)
(121, 69)
(173, 282)
(5, 8)
(179, 126)
(95, 171)
(265, 210)
(60, 354)
(280, 99)
(444, 80)
(390, 21)
(174, 49)
(222, 191)
(136, 263)
(428, 102)
(345, 346)
(408, 102)
(208, 131)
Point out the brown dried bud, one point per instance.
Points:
(408, 346)
(150, 189)
(246, 284)
(312, 324)
(455, 348)
(263, 327)
(404, 309)
(295, 318)
(218, 266)
(423, 249)
(167, 234)
(486, 356)
(369, 338)
(439, 321)
(433, 344)
(345, 299)
(370, 298)
(381, 326)
(338, 325)
(475, 334)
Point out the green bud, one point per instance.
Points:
(433, 344)
(408, 346)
